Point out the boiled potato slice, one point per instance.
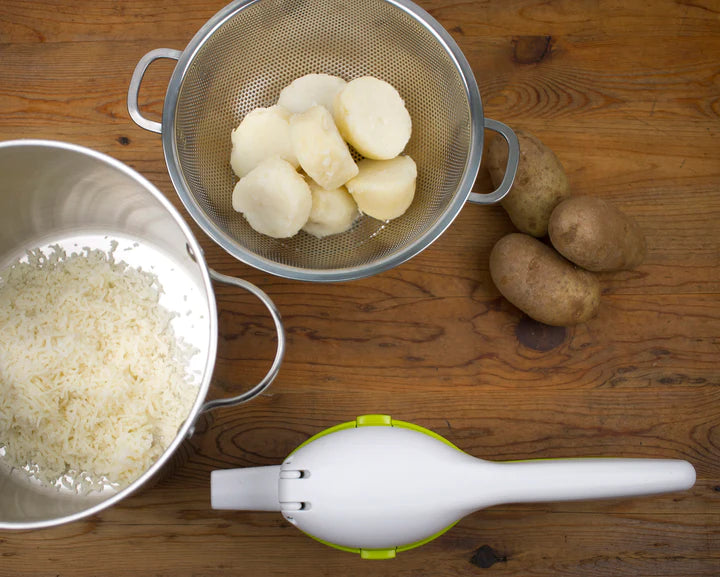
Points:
(264, 132)
(274, 198)
(371, 116)
(320, 149)
(384, 189)
(333, 211)
(309, 90)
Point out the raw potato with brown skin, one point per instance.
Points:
(540, 183)
(541, 283)
(596, 235)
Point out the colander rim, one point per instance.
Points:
(232, 247)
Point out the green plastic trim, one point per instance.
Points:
(409, 546)
(383, 553)
(334, 546)
(419, 429)
(374, 421)
(379, 420)
(377, 553)
(340, 427)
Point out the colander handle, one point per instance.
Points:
(510, 170)
(279, 354)
(136, 80)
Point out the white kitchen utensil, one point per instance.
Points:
(376, 486)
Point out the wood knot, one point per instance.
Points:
(486, 557)
(124, 140)
(530, 49)
(538, 336)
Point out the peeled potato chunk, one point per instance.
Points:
(274, 198)
(371, 116)
(264, 132)
(333, 211)
(384, 189)
(309, 90)
(320, 149)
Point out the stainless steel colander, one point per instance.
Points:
(241, 59)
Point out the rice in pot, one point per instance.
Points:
(93, 380)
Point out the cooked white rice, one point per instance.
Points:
(93, 381)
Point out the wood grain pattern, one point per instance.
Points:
(627, 94)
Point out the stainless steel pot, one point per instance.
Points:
(58, 193)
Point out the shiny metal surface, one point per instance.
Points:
(275, 367)
(135, 81)
(58, 193)
(510, 169)
(250, 50)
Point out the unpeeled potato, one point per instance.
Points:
(540, 183)
(541, 283)
(596, 235)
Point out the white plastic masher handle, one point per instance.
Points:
(594, 478)
(247, 489)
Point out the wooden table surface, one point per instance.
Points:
(628, 96)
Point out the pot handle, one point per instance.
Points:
(272, 373)
(510, 170)
(134, 89)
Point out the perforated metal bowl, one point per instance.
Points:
(250, 50)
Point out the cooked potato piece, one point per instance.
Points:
(372, 117)
(384, 189)
(274, 198)
(309, 90)
(540, 183)
(541, 283)
(596, 235)
(322, 153)
(263, 132)
(333, 211)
